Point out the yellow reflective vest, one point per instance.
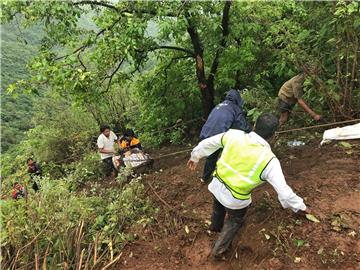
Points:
(242, 163)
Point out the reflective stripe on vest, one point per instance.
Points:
(241, 163)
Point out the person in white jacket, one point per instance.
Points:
(246, 162)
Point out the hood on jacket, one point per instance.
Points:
(234, 96)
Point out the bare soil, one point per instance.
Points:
(328, 178)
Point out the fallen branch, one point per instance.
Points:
(161, 199)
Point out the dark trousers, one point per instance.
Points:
(35, 186)
(227, 229)
(108, 166)
(210, 165)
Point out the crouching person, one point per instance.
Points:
(246, 162)
(18, 191)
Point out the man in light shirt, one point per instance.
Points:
(105, 143)
(246, 162)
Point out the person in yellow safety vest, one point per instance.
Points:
(245, 163)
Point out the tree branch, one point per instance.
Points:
(225, 33)
(188, 54)
(110, 77)
(96, 3)
(102, 31)
(140, 11)
(187, 51)
(81, 62)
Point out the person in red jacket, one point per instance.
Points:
(18, 191)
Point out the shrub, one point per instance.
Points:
(59, 227)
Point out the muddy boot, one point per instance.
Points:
(218, 216)
(228, 232)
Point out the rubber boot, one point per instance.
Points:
(228, 232)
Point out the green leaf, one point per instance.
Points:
(299, 242)
(312, 218)
(345, 144)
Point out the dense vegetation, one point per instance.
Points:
(18, 47)
(149, 66)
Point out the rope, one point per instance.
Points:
(173, 154)
(278, 132)
(317, 126)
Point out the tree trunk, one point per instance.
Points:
(207, 95)
(206, 85)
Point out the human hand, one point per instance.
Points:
(192, 164)
(303, 213)
(317, 117)
(308, 210)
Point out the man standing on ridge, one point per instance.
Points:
(245, 162)
(228, 114)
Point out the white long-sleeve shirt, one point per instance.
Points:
(272, 174)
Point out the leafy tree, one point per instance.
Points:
(155, 63)
(91, 61)
(324, 37)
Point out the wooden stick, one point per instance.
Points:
(81, 258)
(36, 261)
(161, 199)
(45, 256)
(112, 262)
(95, 247)
(88, 258)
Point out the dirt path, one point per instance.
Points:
(272, 238)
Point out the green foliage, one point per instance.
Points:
(133, 63)
(59, 221)
(88, 169)
(257, 101)
(63, 133)
(324, 40)
(164, 100)
(18, 47)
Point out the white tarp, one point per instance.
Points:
(343, 133)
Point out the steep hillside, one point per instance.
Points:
(272, 238)
(18, 46)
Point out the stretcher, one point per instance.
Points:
(134, 159)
